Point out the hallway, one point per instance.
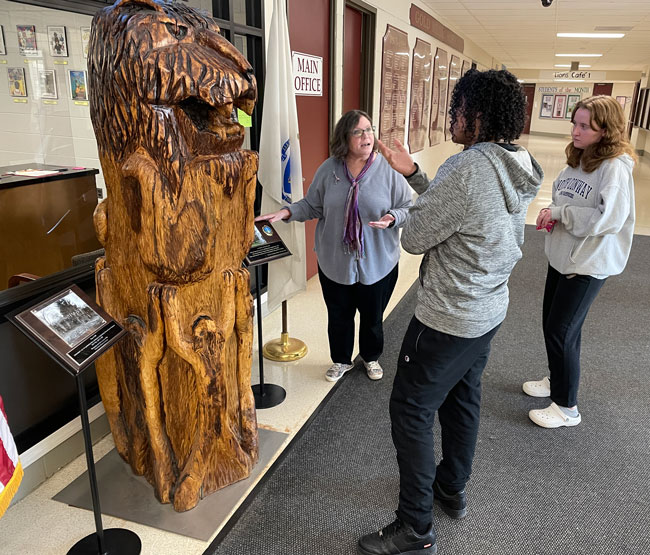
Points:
(39, 525)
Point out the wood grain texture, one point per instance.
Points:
(176, 225)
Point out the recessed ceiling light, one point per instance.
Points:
(582, 66)
(591, 35)
(578, 55)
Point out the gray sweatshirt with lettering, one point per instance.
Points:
(469, 224)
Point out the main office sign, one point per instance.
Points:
(307, 74)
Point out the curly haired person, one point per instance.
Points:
(591, 224)
(469, 225)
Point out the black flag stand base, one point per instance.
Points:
(266, 395)
(114, 541)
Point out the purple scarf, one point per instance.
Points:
(352, 226)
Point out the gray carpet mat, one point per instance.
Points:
(582, 490)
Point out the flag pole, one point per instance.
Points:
(286, 348)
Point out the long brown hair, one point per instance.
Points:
(607, 114)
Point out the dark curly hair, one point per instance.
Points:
(340, 137)
(605, 113)
(494, 97)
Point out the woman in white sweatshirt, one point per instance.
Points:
(590, 224)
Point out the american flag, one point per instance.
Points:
(11, 472)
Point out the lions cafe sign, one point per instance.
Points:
(307, 74)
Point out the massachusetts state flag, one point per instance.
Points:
(11, 473)
(280, 170)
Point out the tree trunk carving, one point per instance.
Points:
(176, 225)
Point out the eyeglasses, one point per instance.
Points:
(359, 132)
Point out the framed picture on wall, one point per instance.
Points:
(47, 80)
(572, 100)
(559, 105)
(3, 48)
(546, 111)
(27, 40)
(57, 40)
(17, 85)
(85, 38)
(78, 90)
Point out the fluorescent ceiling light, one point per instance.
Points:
(569, 65)
(578, 55)
(591, 35)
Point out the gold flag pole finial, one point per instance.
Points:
(286, 348)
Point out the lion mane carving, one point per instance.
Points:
(176, 225)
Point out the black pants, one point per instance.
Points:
(342, 303)
(435, 372)
(566, 304)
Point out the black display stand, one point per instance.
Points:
(113, 541)
(266, 395)
(73, 330)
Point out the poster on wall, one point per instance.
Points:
(559, 105)
(3, 48)
(85, 38)
(420, 91)
(27, 40)
(621, 100)
(78, 89)
(546, 111)
(394, 80)
(438, 97)
(47, 81)
(454, 76)
(16, 76)
(465, 68)
(572, 100)
(56, 38)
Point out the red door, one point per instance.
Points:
(529, 91)
(352, 59)
(603, 88)
(309, 33)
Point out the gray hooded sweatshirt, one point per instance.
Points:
(469, 224)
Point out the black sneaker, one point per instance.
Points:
(454, 504)
(398, 537)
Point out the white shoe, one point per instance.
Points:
(553, 417)
(335, 372)
(541, 388)
(374, 369)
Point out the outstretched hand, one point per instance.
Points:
(399, 158)
(383, 222)
(273, 217)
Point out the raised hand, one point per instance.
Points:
(399, 158)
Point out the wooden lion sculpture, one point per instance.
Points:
(176, 225)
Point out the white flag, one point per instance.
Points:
(280, 170)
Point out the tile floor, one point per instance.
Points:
(39, 525)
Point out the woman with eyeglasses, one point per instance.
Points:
(360, 202)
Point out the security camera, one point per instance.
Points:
(546, 3)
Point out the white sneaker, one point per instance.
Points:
(541, 388)
(335, 372)
(374, 369)
(553, 417)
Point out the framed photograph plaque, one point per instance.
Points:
(27, 40)
(572, 100)
(78, 89)
(56, 38)
(47, 81)
(3, 48)
(546, 111)
(559, 105)
(85, 38)
(266, 246)
(69, 327)
(17, 86)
